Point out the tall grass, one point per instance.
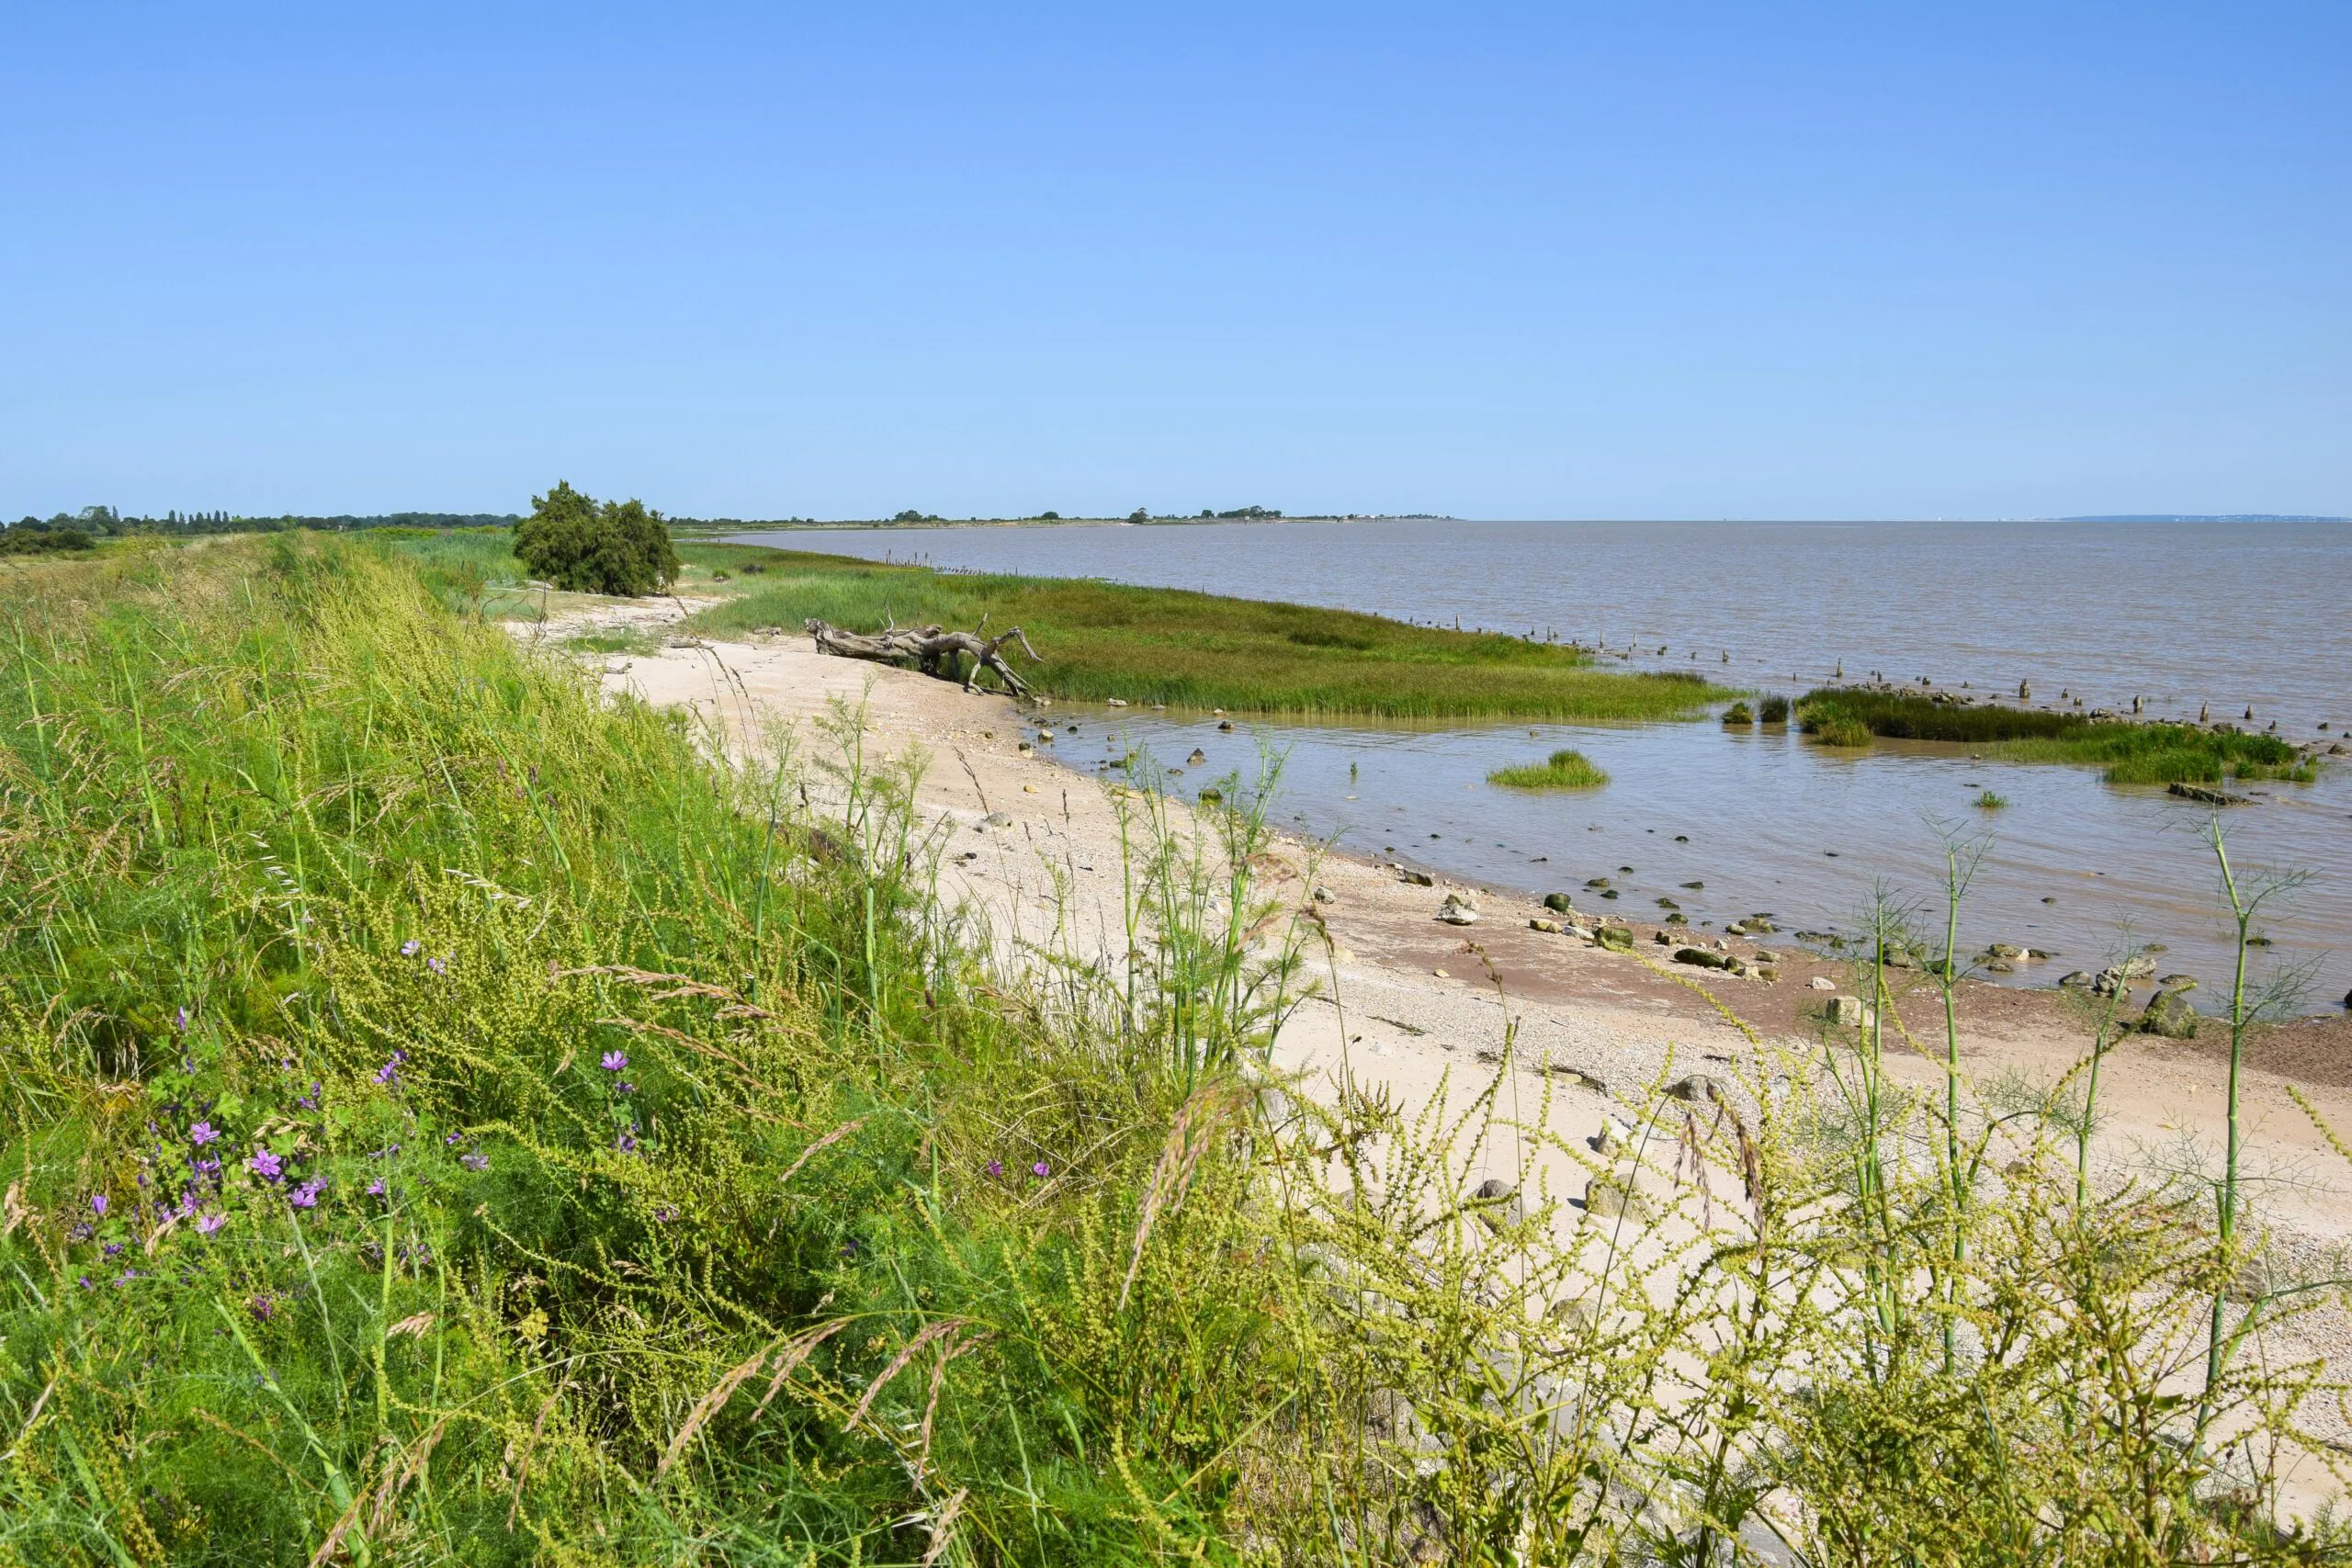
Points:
(1144, 645)
(2128, 753)
(445, 1116)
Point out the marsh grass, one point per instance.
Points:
(1562, 770)
(1158, 645)
(446, 1116)
(2127, 752)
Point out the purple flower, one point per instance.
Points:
(83, 1281)
(410, 948)
(311, 1101)
(127, 1276)
(613, 1062)
(208, 1168)
(451, 1139)
(307, 1195)
(263, 1308)
(1041, 1170)
(114, 1249)
(207, 1224)
(439, 966)
(98, 1204)
(626, 1143)
(181, 1021)
(267, 1165)
(665, 1215)
(389, 1072)
(474, 1162)
(377, 1189)
(202, 1133)
(188, 1204)
(996, 1167)
(625, 1088)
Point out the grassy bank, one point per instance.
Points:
(444, 1118)
(2128, 753)
(1145, 645)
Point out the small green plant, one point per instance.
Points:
(1774, 709)
(1837, 729)
(1562, 770)
(1738, 713)
(1986, 800)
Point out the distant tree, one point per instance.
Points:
(618, 548)
(1140, 514)
(23, 541)
(1206, 513)
(909, 515)
(1049, 517)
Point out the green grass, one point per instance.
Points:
(446, 1116)
(2128, 753)
(1156, 644)
(1561, 770)
(1988, 801)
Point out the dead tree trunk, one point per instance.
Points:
(936, 653)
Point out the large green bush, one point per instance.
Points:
(590, 546)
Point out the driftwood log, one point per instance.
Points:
(932, 650)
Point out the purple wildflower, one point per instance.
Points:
(439, 966)
(208, 1168)
(624, 1087)
(311, 1101)
(996, 1167)
(202, 1133)
(474, 1162)
(451, 1139)
(207, 1224)
(307, 1195)
(1041, 1170)
(263, 1308)
(188, 1204)
(127, 1276)
(267, 1165)
(114, 1249)
(83, 1281)
(665, 1215)
(613, 1061)
(181, 1021)
(411, 948)
(627, 1142)
(388, 1072)
(98, 1204)
(377, 1189)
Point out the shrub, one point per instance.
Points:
(22, 541)
(1775, 710)
(1991, 802)
(620, 548)
(1738, 714)
(1561, 770)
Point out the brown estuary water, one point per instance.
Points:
(2180, 615)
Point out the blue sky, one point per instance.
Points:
(1567, 260)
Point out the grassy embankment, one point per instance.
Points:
(2128, 753)
(1158, 645)
(1561, 770)
(444, 1118)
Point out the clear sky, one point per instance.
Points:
(1546, 260)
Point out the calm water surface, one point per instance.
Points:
(2179, 614)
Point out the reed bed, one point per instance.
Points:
(2128, 751)
(1562, 770)
(1157, 644)
(446, 1116)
